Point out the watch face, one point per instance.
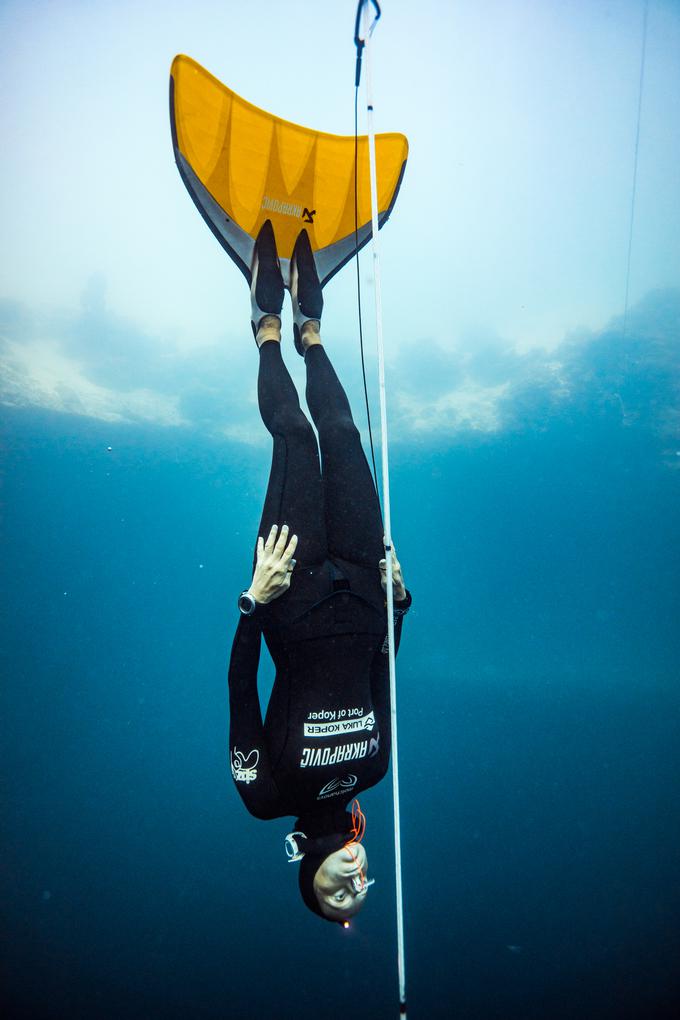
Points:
(246, 604)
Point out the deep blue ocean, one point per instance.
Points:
(539, 697)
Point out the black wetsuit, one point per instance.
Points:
(326, 734)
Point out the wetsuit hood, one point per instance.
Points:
(324, 835)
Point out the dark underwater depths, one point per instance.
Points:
(538, 737)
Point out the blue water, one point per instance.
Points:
(538, 701)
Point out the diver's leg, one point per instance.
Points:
(294, 493)
(352, 509)
(351, 505)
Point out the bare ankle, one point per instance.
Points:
(268, 329)
(310, 334)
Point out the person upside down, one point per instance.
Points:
(318, 597)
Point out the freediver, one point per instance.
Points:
(318, 596)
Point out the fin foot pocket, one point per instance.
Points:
(266, 288)
(305, 288)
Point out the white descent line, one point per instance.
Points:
(387, 520)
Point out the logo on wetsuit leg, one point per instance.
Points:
(244, 767)
(337, 786)
(374, 745)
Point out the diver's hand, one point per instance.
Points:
(398, 586)
(274, 565)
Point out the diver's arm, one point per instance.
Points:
(250, 763)
(380, 681)
(248, 752)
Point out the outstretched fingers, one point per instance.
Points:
(271, 538)
(279, 546)
(281, 541)
(287, 558)
(275, 563)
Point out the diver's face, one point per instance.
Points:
(338, 883)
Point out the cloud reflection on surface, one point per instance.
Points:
(101, 366)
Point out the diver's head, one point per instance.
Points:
(340, 883)
(334, 885)
(333, 869)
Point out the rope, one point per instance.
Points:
(635, 163)
(356, 245)
(365, 43)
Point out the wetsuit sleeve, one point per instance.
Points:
(380, 682)
(250, 763)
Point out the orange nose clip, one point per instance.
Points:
(358, 832)
(358, 822)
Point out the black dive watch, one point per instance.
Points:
(246, 603)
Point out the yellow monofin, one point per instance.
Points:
(243, 166)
